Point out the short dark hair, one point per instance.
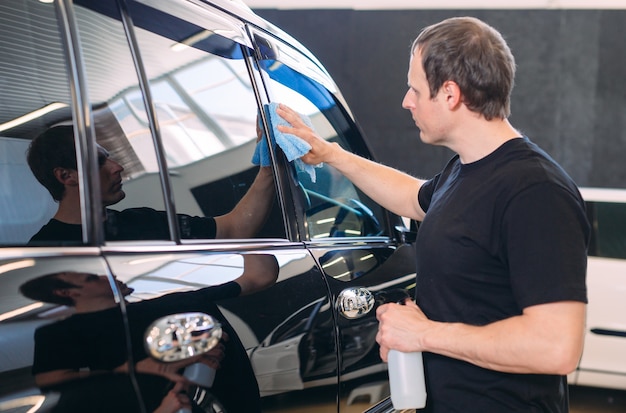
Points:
(52, 149)
(42, 289)
(473, 54)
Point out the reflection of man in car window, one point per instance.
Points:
(52, 159)
(92, 340)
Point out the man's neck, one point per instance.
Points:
(69, 212)
(481, 138)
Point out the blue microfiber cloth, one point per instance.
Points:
(293, 147)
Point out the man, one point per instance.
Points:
(52, 159)
(501, 250)
(91, 342)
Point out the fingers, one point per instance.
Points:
(384, 354)
(259, 131)
(211, 361)
(321, 151)
(174, 401)
(401, 327)
(287, 113)
(178, 387)
(218, 351)
(213, 357)
(292, 117)
(382, 309)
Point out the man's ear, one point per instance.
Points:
(452, 93)
(67, 176)
(63, 292)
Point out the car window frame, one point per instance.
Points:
(84, 131)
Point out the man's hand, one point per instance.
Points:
(171, 370)
(394, 190)
(321, 150)
(400, 327)
(175, 400)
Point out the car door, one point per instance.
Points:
(185, 132)
(357, 244)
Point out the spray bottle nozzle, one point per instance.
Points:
(396, 295)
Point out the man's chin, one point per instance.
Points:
(114, 200)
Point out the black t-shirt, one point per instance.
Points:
(96, 341)
(503, 233)
(129, 224)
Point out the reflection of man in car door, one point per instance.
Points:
(52, 159)
(92, 341)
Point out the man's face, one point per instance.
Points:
(110, 178)
(92, 286)
(428, 113)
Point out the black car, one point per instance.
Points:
(178, 93)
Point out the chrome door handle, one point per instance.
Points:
(355, 302)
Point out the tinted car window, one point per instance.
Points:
(35, 94)
(207, 114)
(334, 207)
(120, 117)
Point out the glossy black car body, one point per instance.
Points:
(173, 90)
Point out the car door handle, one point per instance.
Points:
(355, 302)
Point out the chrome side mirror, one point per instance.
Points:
(181, 336)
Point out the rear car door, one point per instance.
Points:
(185, 132)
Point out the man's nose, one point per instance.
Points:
(115, 166)
(406, 102)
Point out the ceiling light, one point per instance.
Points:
(32, 115)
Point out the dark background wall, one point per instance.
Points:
(569, 97)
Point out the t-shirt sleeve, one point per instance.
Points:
(197, 227)
(425, 194)
(546, 233)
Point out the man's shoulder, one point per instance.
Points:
(77, 321)
(135, 212)
(55, 231)
(54, 329)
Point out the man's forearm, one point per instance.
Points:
(393, 189)
(521, 344)
(545, 339)
(249, 215)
